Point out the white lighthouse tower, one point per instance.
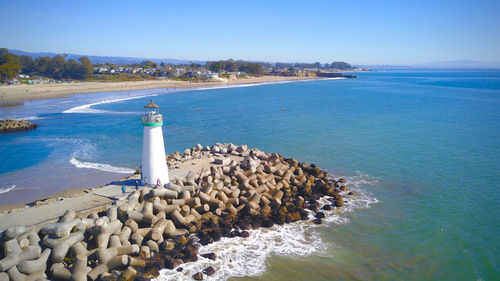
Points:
(154, 164)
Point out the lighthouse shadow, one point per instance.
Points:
(124, 182)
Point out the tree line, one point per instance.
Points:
(252, 68)
(337, 65)
(57, 67)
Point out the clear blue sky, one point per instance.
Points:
(359, 32)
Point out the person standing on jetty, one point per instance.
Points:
(123, 189)
(158, 182)
(136, 185)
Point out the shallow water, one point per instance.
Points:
(422, 145)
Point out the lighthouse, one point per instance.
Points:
(154, 164)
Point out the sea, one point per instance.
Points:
(419, 147)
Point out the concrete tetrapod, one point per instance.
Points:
(59, 272)
(80, 270)
(14, 255)
(32, 266)
(118, 262)
(63, 228)
(129, 274)
(15, 275)
(60, 246)
(105, 255)
(13, 232)
(104, 230)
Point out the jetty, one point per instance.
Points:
(11, 125)
(216, 191)
(334, 75)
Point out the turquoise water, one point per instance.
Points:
(423, 144)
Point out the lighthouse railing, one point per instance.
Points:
(152, 118)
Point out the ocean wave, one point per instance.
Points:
(99, 166)
(32, 118)
(240, 257)
(258, 84)
(7, 189)
(87, 108)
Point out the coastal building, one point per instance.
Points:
(154, 164)
(209, 75)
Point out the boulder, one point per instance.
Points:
(198, 276)
(12, 125)
(250, 164)
(242, 148)
(209, 271)
(211, 256)
(222, 161)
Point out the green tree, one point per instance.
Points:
(76, 70)
(27, 64)
(341, 65)
(148, 64)
(252, 68)
(231, 66)
(9, 65)
(215, 66)
(59, 67)
(89, 68)
(44, 66)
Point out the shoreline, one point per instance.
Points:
(183, 86)
(14, 95)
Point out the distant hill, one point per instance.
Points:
(439, 64)
(103, 59)
(459, 64)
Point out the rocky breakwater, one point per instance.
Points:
(12, 125)
(163, 227)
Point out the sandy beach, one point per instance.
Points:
(19, 93)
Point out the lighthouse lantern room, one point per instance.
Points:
(154, 164)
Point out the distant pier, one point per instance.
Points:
(334, 75)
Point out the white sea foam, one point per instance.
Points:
(259, 84)
(7, 189)
(238, 257)
(87, 108)
(360, 200)
(32, 118)
(99, 166)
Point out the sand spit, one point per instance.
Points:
(218, 191)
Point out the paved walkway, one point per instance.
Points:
(96, 198)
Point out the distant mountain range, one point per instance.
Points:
(441, 64)
(104, 59)
(131, 60)
(459, 64)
